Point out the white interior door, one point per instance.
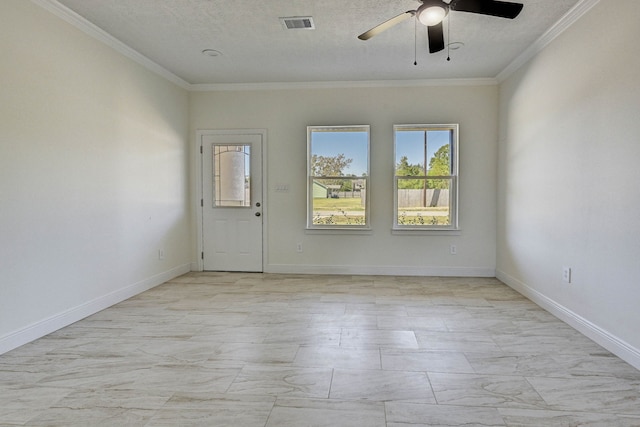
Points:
(232, 202)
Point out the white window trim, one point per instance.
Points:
(454, 227)
(338, 229)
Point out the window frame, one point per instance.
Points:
(217, 175)
(453, 226)
(339, 228)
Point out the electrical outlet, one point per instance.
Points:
(299, 247)
(566, 274)
(453, 250)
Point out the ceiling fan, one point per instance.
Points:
(432, 12)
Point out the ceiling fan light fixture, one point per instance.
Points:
(431, 14)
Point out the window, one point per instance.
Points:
(426, 177)
(338, 177)
(231, 175)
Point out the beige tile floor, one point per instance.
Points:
(224, 349)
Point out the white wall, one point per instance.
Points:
(287, 113)
(93, 175)
(569, 187)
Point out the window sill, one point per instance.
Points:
(425, 232)
(338, 230)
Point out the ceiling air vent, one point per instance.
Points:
(298, 23)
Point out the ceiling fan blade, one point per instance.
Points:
(436, 38)
(386, 25)
(497, 8)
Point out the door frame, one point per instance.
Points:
(198, 196)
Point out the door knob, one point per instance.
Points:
(258, 214)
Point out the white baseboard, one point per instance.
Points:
(615, 345)
(46, 326)
(380, 270)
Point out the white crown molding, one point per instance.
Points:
(94, 31)
(581, 8)
(342, 84)
(61, 11)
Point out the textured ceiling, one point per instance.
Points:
(257, 49)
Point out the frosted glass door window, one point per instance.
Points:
(232, 175)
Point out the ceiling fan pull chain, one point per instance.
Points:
(449, 37)
(415, 42)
